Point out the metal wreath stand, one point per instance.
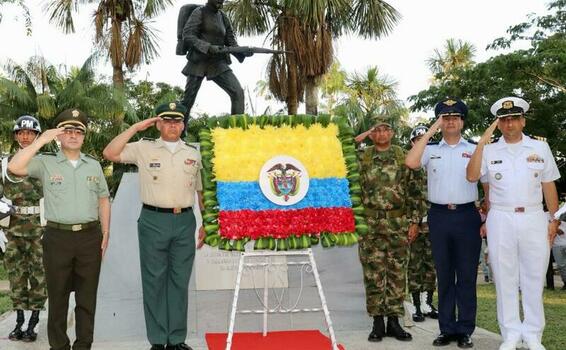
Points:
(305, 266)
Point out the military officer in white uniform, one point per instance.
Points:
(520, 171)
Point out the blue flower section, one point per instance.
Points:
(322, 193)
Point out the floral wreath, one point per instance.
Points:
(234, 149)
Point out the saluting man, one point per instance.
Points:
(520, 171)
(77, 210)
(453, 220)
(169, 175)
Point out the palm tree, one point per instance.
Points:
(307, 28)
(122, 29)
(456, 55)
(369, 95)
(43, 90)
(25, 12)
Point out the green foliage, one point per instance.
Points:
(537, 74)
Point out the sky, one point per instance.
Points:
(425, 26)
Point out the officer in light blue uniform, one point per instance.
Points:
(453, 220)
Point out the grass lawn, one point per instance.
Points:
(5, 303)
(554, 336)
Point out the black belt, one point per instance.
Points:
(72, 227)
(453, 206)
(166, 210)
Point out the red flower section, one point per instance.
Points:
(283, 223)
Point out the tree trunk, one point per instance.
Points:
(117, 54)
(292, 93)
(311, 97)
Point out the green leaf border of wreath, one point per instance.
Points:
(327, 239)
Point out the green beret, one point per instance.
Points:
(70, 118)
(171, 110)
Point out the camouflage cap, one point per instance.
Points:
(71, 118)
(171, 110)
(382, 120)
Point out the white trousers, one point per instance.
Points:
(518, 254)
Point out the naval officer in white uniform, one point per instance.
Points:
(520, 171)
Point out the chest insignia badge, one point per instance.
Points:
(498, 176)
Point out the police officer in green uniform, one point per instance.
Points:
(392, 200)
(77, 210)
(169, 173)
(23, 256)
(421, 275)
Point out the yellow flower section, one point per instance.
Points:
(239, 154)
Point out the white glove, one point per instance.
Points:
(3, 241)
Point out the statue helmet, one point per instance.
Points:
(27, 122)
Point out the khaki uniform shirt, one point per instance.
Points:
(167, 179)
(71, 194)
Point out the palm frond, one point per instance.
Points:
(155, 7)
(142, 44)
(373, 18)
(249, 17)
(60, 12)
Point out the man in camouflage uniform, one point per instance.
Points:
(391, 197)
(421, 274)
(23, 256)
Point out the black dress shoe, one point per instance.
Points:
(157, 347)
(180, 346)
(465, 341)
(442, 339)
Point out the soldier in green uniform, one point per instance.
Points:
(169, 175)
(421, 274)
(391, 196)
(77, 210)
(23, 254)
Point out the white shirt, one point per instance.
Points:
(515, 178)
(446, 172)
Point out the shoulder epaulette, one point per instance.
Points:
(540, 138)
(192, 146)
(472, 141)
(494, 140)
(147, 139)
(91, 156)
(433, 143)
(47, 154)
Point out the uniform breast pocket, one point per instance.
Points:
(191, 168)
(499, 171)
(535, 171)
(154, 174)
(434, 169)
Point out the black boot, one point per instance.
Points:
(378, 330)
(394, 329)
(418, 315)
(29, 334)
(17, 333)
(433, 312)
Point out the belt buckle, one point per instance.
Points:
(520, 210)
(451, 206)
(176, 210)
(76, 227)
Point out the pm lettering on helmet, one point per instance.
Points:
(27, 124)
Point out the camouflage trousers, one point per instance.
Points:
(384, 254)
(24, 266)
(421, 273)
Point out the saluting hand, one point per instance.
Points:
(436, 126)
(144, 124)
(49, 135)
(489, 132)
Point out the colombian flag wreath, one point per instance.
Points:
(235, 148)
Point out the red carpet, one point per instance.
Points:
(283, 340)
